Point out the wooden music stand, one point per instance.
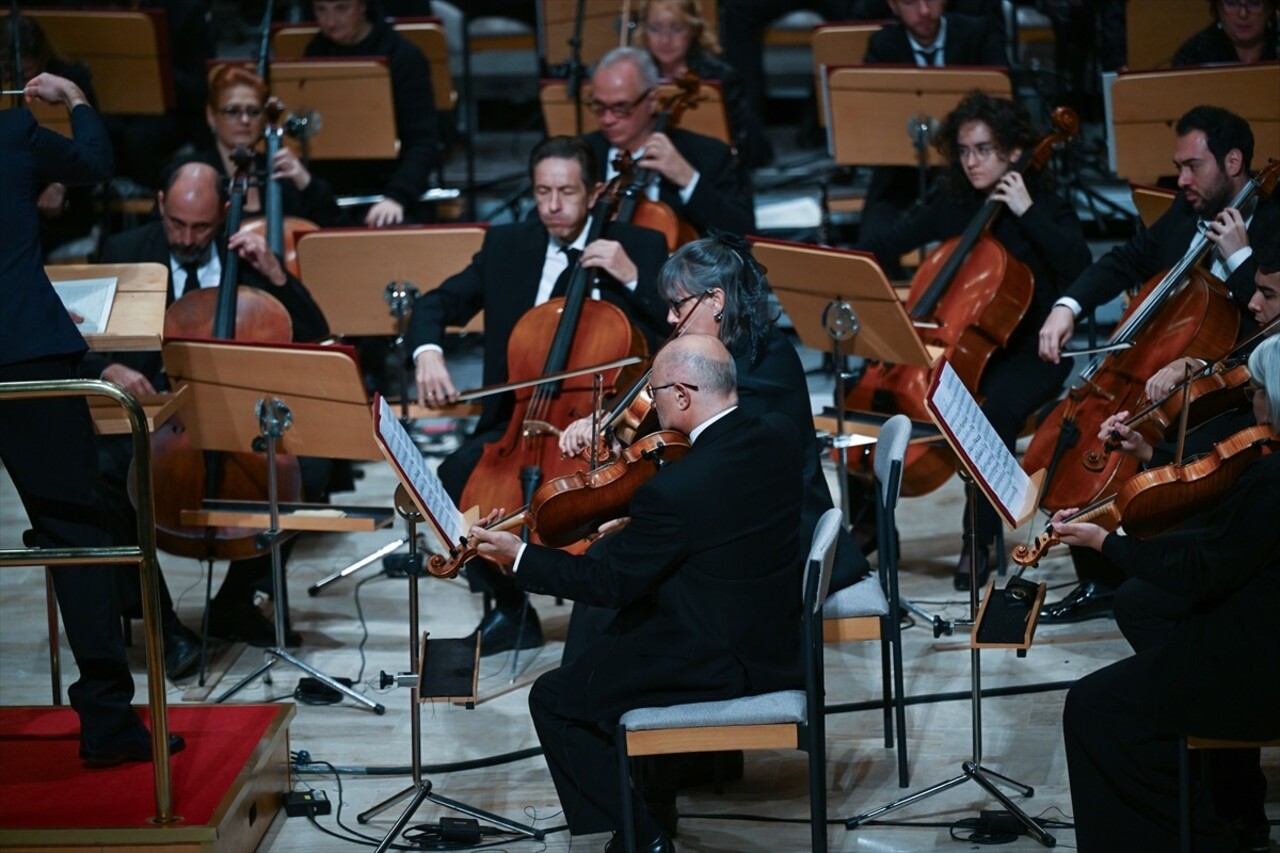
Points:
(128, 53)
(289, 41)
(1151, 202)
(838, 45)
(326, 415)
(871, 108)
(706, 116)
(137, 314)
(347, 270)
(1146, 105)
(352, 98)
(1155, 29)
(601, 31)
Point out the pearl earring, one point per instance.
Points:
(719, 315)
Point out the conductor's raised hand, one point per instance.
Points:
(435, 385)
(253, 250)
(608, 255)
(51, 89)
(660, 154)
(1056, 331)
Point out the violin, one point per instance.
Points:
(970, 295)
(1185, 311)
(568, 509)
(184, 476)
(1160, 499)
(636, 208)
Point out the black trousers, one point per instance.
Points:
(47, 447)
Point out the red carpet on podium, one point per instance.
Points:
(43, 784)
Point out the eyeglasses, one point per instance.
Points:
(240, 112)
(1236, 5)
(982, 151)
(653, 390)
(676, 304)
(673, 30)
(617, 110)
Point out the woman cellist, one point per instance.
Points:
(983, 139)
(1198, 607)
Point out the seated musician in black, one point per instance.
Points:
(1242, 31)
(698, 177)
(355, 29)
(1204, 666)
(519, 267)
(1213, 152)
(189, 241)
(983, 139)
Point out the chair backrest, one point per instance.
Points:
(817, 570)
(891, 446)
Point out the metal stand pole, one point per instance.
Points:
(972, 769)
(421, 788)
(274, 418)
(842, 325)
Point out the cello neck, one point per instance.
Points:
(224, 318)
(273, 201)
(575, 294)
(972, 233)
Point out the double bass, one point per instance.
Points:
(1185, 311)
(969, 295)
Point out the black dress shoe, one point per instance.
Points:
(241, 620)
(1086, 601)
(961, 579)
(499, 628)
(133, 745)
(181, 649)
(660, 844)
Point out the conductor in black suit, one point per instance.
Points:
(706, 576)
(189, 241)
(699, 178)
(1213, 153)
(922, 36)
(47, 444)
(518, 267)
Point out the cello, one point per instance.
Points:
(282, 232)
(1184, 312)
(970, 295)
(184, 476)
(563, 333)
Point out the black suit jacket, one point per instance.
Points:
(148, 243)
(706, 577)
(722, 199)
(969, 42)
(1159, 247)
(502, 280)
(33, 321)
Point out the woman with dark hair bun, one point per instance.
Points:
(983, 140)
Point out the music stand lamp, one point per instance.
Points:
(233, 387)
(451, 669)
(972, 437)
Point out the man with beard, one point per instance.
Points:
(1212, 155)
(189, 241)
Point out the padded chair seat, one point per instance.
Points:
(783, 706)
(864, 598)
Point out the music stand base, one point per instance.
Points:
(275, 654)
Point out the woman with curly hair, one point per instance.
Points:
(983, 140)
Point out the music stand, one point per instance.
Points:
(137, 312)
(419, 498)
(340, 109)
(237, 389)
(991, 473)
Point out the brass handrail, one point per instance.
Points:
(144, 555)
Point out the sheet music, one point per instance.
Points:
(992, 462)
(421, 481)
(91, 298)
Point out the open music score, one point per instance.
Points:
(975, 441)
(424, 487)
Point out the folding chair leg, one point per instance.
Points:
(1184, 796)
(624, 782)
(817, 789)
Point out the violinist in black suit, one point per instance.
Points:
(188, 240)
(710, 555)
(46, 445)
(1213, 153)
(517, 268)
(698, 177)
(1208, 669)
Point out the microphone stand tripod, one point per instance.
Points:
(421, 788)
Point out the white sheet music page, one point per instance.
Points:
(990, 462)
(424, 486)
(91, 299)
